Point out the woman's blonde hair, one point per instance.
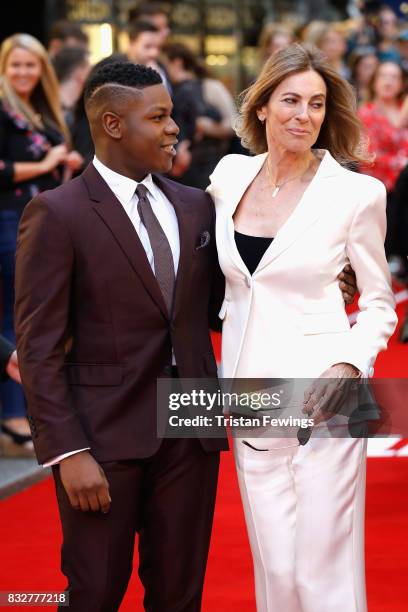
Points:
(341, 132)
(44, 98)
(268, 34)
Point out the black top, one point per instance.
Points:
(251, 249)
(19, 143)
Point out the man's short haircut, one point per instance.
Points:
(62, 30)
(144, 10)
(67, 59)
(125, 74)
(138, 27)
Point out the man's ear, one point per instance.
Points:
(112, 124)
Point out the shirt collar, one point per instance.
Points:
(122, 186)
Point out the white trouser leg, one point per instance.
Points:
(266, 483)
(304, 508)
(330, 486)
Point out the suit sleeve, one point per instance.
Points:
(217, 291)
(44, 272)
(377, 319)
(218, 283)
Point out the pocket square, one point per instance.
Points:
(204, 240)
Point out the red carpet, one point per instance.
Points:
(30, 534)
(29, 560)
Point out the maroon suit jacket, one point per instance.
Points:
(93, 333)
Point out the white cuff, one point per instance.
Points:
(64, 456)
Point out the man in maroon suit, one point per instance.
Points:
(113, 281)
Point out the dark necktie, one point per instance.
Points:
(162, 255)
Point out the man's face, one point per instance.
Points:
(145, 48)
(162, 24)
(149, 133)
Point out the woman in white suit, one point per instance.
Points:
(288, 220)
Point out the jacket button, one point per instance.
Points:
(167, 370)
(248, 281)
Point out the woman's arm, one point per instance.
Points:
(403, 122)
(377, 319)
(24, 171)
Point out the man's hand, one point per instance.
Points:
(12, 368)
(348, 284)
(85, 483)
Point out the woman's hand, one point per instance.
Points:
(327, 393)
(56, 155)
(74, 161)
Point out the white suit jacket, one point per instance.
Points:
(288, 318)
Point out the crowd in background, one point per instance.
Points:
(45, 138)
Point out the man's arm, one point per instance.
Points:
(44, 273)
(348, 284)
(44, 270)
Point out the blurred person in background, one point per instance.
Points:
(154, 13)
(332, 42)
(33, 156)
(72, 66)
(389, 142)
(365, 33)
(144, 44)
(210, 110)
(274, 36)
(66, 34)
(402, 47)
(363, 63)
(387, 30)
(9, 369)
(401, 206)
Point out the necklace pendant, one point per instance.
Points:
(275, 192)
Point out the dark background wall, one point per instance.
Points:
(29, 16)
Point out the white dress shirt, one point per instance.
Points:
(124, 189)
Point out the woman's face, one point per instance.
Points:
(23, 70)
(295, 112)
(333, 45)
(388, 82)
(280, 40)
(365, 69)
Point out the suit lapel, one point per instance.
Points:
(311, 205)
(238, 188)
(185, 211)
(112, 213)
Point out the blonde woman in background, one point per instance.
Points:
(332, 42)
(33, 157)
(274, 36)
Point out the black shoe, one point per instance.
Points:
(13, 444)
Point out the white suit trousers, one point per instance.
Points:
(304, 509)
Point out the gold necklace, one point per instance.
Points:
(278, 186)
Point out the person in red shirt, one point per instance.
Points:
(388, 142)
